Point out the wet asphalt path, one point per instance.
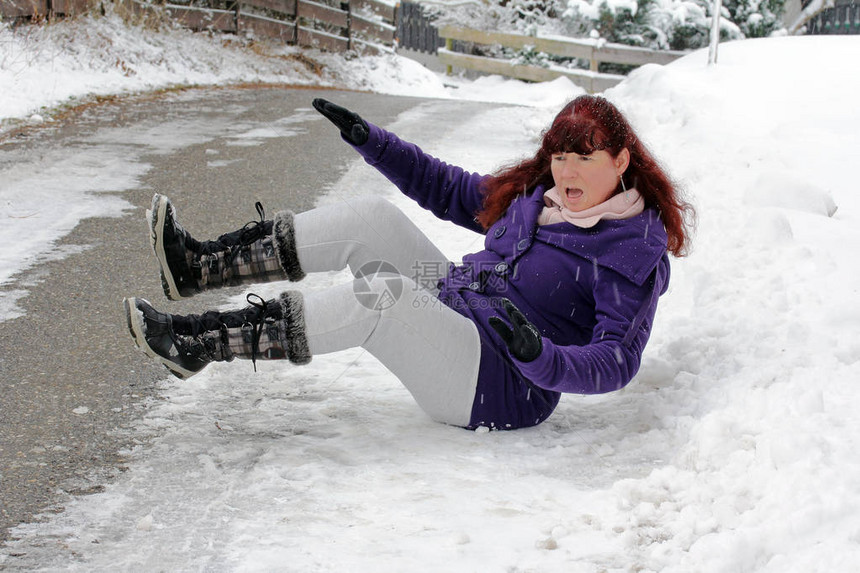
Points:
(72, 384)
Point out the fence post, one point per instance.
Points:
(348, 4)
(449, 45)
(397, 14)
(237, 7)
(593, 64)
(298, 19)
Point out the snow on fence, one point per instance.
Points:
(594, 51)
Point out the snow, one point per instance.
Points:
(735, 449)
(591, 10)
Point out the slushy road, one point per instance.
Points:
(72, 383)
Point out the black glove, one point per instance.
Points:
(524, 341)
(350, 124)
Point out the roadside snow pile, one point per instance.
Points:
(42, 67)
(51, 64)
(754, 367)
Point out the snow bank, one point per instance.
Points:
(755, 333)
(59, 63)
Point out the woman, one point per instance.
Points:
(561, 298)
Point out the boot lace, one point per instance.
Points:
(251, 232)
(254, 230)
(201, 340)
(256, 322)
(202, 325)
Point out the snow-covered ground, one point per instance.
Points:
(737, 448)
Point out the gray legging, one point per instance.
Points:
(393, 312)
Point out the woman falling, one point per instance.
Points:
(561, 298)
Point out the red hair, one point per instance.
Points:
(588, 124)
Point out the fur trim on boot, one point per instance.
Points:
(284, 239)
(296, 344)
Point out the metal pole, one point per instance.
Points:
(715, 32)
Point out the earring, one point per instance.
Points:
(624, 187)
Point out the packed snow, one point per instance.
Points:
(736, 448)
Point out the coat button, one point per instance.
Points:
(523, 245)
(475, 286)
(501, 269)
(500, 230)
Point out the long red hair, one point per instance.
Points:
(588, 124)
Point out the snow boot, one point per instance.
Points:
(261, 251)
(269, 330)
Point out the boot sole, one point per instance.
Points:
(156, 217)
(135, 327)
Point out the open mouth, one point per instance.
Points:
(573, 193)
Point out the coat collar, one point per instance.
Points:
(631, 247)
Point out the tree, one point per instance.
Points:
(672, 24)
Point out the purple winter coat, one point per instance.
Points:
(592, 293)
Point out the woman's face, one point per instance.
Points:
(584, 181)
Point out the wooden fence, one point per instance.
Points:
(345, 27)
(11, 9)
(348, 25)
(593, 51)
